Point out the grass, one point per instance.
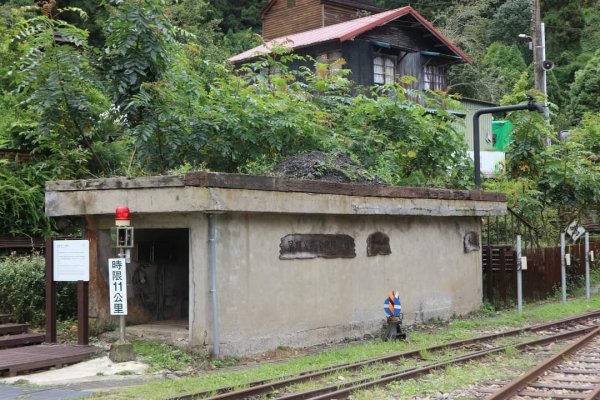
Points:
(452, 378)
(163, 356)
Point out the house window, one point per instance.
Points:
(291, 3)
(434, 77)
(384, 69)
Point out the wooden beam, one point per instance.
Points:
(50, 293)
(83, 337)
(250, 182)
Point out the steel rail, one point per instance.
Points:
(594, 395)
(343, 391)
(517, 384)
(270, 385)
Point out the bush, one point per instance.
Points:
(22, 290)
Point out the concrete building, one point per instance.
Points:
(261, 262)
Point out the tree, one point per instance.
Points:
(510, 19)
(585, 91)
(135, 56)
(502, 65)
(58, 84)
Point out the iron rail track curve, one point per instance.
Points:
(548, 380)
(268, 386)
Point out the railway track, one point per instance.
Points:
(573, 373)
(283, 388)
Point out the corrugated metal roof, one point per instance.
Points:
(345, 31)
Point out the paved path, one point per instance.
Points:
(74, 390)
(13, 392)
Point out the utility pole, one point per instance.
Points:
(537, 37)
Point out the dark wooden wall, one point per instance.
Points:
(335, 14)
(359, 60)
(281, 20)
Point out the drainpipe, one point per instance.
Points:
(212, 257)
(531, 106)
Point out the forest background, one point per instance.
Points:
(139, 87)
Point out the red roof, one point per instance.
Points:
(346, 31)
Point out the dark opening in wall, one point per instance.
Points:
(160, 277)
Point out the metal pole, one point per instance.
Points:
(212, 255)
(587, 265)
(476, 151)
(544, 82)
(519, 276)
(537, 46)
(563, 272)
(122, 317)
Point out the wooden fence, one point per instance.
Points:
(541, 279)
(20, 242)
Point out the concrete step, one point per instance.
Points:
(13, 329)
(21, 339)
(4, 318)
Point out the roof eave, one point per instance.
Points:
(440, 36)
(258, 55)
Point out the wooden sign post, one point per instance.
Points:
(68, 261)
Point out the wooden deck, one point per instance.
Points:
(30, 358)
(21, 339)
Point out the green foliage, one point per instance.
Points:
(530, 134)
(152, 94)
(135, 56)
(59, 87)
(21, 201)
(571, 177)
(236, 16)
(510, 19)
(585, 92)
(503, 66)
(250, 121)
(22, 290)
(552, 181)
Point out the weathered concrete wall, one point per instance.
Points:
(265, 302)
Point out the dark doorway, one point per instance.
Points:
(160, 278)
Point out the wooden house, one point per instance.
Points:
(377, 48)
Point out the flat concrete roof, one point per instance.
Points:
(221, 192)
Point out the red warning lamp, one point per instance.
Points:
(122, 217)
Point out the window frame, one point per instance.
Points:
(388, 61)
(434, 77)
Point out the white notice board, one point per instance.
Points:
(117, 278)
(71, 260)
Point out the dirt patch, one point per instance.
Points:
(317, 165)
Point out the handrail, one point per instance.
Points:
(504, 234)
(527, 224)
